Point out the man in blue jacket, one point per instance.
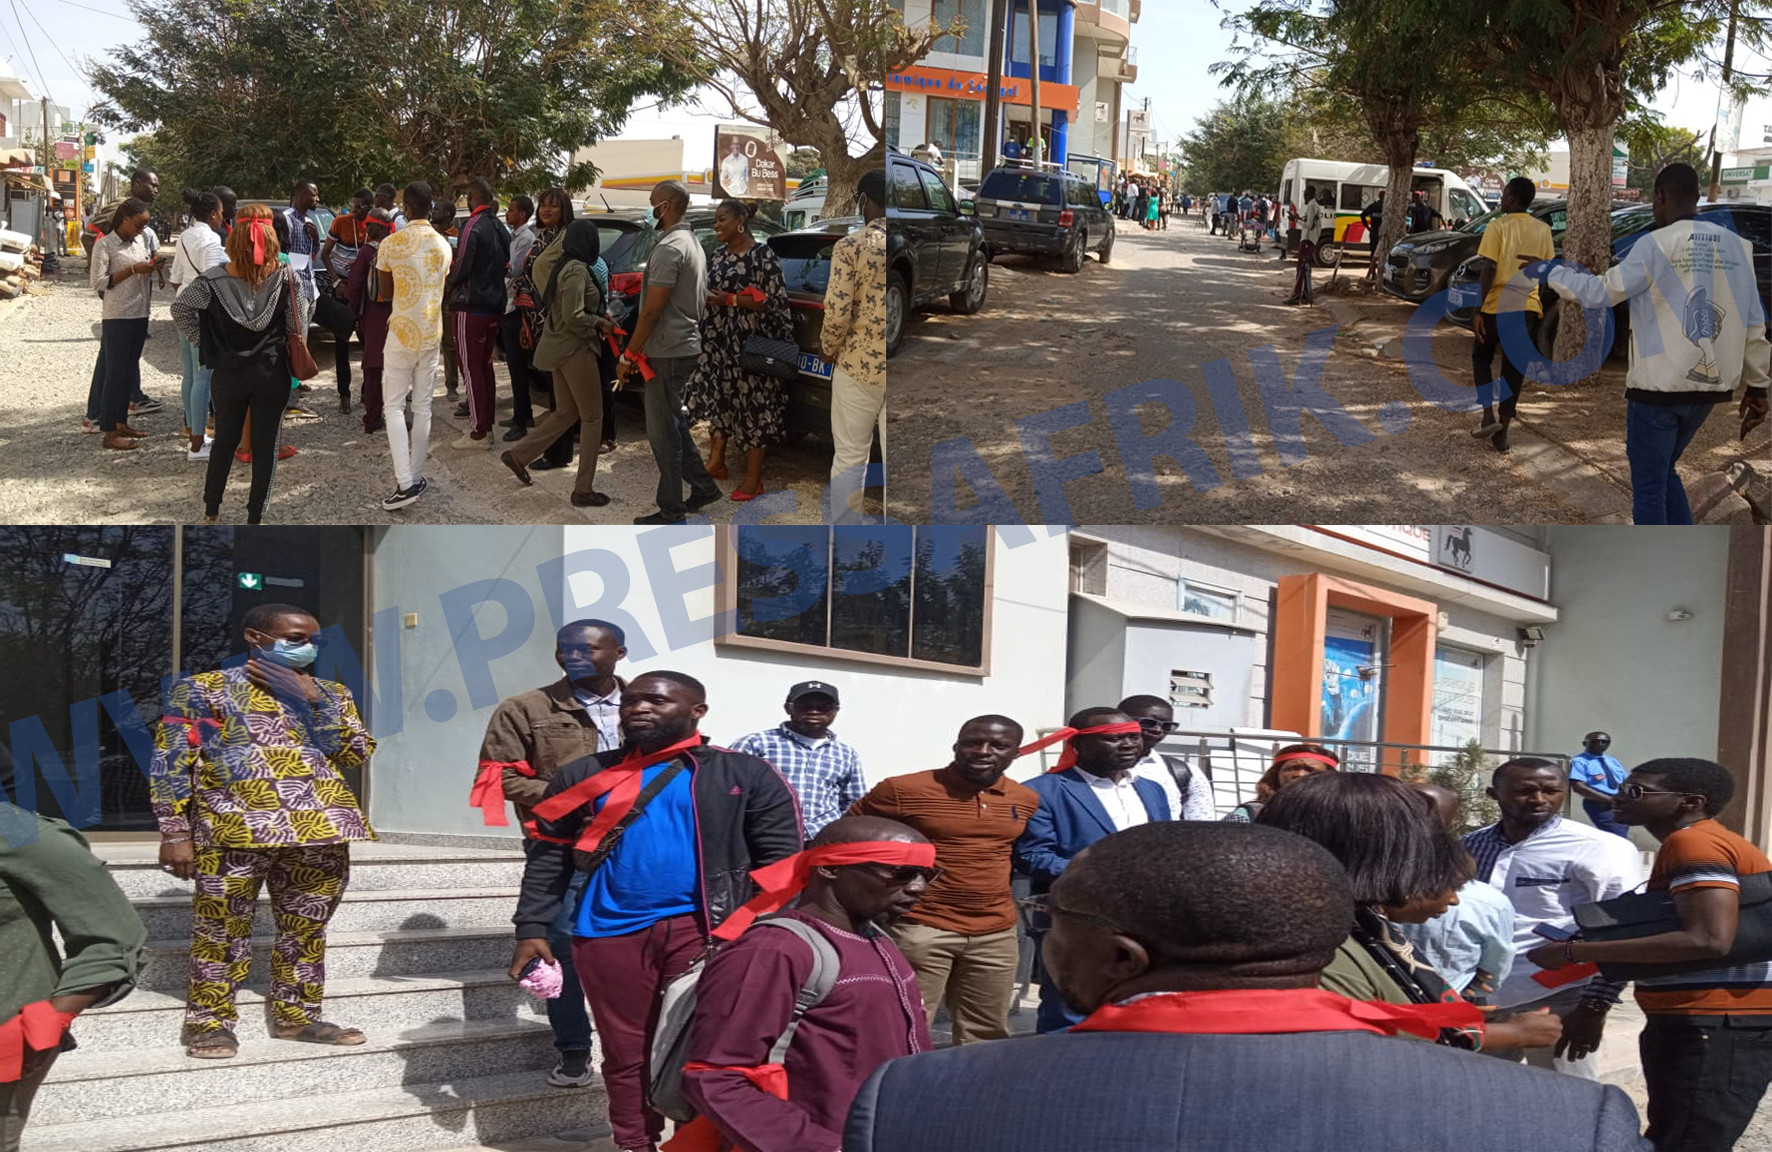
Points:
(1093, 798)
(1196, 950)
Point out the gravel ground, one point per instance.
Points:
(52, 473)
(1168, 306)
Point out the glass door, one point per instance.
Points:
(1354, 647)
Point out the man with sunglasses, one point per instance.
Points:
(1546, 865)
(746, 999)
(1707, 1045)
(1596, 778)
(1095, 797)
(1189, 793)
(961, 938)
(248, 790)
(1194, 952)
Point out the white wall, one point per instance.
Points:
(898, 720)
(1615, 661)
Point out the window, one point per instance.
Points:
(1464, 204)
(907, 190)
(970, 42)
(1355, 197)
(1458, 697)
(955, 125)
(1190, 689)
(916, 597)
(1018, 40)
(891, 117)
(1755, 226)
(1089, 567)
(1558, 221)
(1205, 600)
(940, 199)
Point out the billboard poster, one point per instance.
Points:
(1350, 700)
(747, 166)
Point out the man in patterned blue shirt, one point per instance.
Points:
(824, 772)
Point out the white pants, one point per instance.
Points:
(856, 409)
(402, 377)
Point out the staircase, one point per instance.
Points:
(417, 953)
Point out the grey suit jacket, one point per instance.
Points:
(1310, 1092)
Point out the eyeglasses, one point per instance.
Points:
(1164, 726)
(1037, 913)
(906, 873)
(1637, 792)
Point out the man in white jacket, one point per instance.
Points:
(1698, 330)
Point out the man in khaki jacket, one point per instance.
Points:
(530, 737)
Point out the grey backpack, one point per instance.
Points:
(670, 1042)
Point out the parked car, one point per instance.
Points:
(1045, 211)
(625, 240)
(1423, 265)
(806, 266)
(1753, 222)
(933, 247)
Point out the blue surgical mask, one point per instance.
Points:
(293, 654)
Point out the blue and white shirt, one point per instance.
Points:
(825, 773)
(1602, 773)
(605, 713)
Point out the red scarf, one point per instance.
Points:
(700, 1135)
(488, 792)
(622, 783)
(783, 880)
(37, 1027)
(1069, 757)
(1269, 1011)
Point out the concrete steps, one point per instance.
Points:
(457, 1056)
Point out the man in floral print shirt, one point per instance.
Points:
(247, 791)
(855, 341)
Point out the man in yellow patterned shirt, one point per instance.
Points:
(854, 339)
(416, 259)
(247, 791)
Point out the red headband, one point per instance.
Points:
(781, 881)
(1069, 757)
(1317, 756)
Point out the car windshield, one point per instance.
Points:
(805, 261)
(1631, 220)
(1027, 186)
(1480, 223)
(624, 249)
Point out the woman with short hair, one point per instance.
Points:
(198, 250)
(121, 264)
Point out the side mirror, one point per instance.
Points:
(969, 207)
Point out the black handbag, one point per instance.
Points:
(768, 356)
(1639, 914)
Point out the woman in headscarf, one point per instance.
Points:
(1292, 763)
(240, 315)
(747, 296)
(570, 348)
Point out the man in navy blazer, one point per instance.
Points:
(1095, 797)
(1179, 924)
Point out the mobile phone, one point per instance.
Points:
(529, 969)
(1552, 932)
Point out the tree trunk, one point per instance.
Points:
(1589, 239)
(1399, 153)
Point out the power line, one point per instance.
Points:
(58, 48)
(30, 50)
(100, 11)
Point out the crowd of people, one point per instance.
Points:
(811, 926)
(422, 301)
(1144, 200)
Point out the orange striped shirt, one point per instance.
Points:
(1707, 855)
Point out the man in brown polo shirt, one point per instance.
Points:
(961, 937)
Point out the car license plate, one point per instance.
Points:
(1462, 296)
(1017, 213)
(811, 365)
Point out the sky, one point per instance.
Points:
(1179, 40)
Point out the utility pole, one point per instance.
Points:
(993, 97)
(80, 178)
(1716, 157)
(48, 182)
(1034, 75)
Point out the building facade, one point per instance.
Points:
(1085, 61)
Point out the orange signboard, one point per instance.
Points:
(974, 86)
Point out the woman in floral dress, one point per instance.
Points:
(745, 410)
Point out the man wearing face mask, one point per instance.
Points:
(1096, 797)
(961, 938)
(1596, 778)
(530, 737)
(248, 791)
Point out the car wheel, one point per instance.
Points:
(898, 298)
(1328, 254)
(1073, 256)
(1107, 250)
(970, 299)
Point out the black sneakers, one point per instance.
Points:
(404, 496)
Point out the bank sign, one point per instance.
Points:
(975, 86)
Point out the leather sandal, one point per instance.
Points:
(213, 1046)
(320, 1032)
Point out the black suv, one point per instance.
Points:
(1046, 211)
(933, 249)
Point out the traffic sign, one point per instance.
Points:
(251, 581)
(88, 167)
